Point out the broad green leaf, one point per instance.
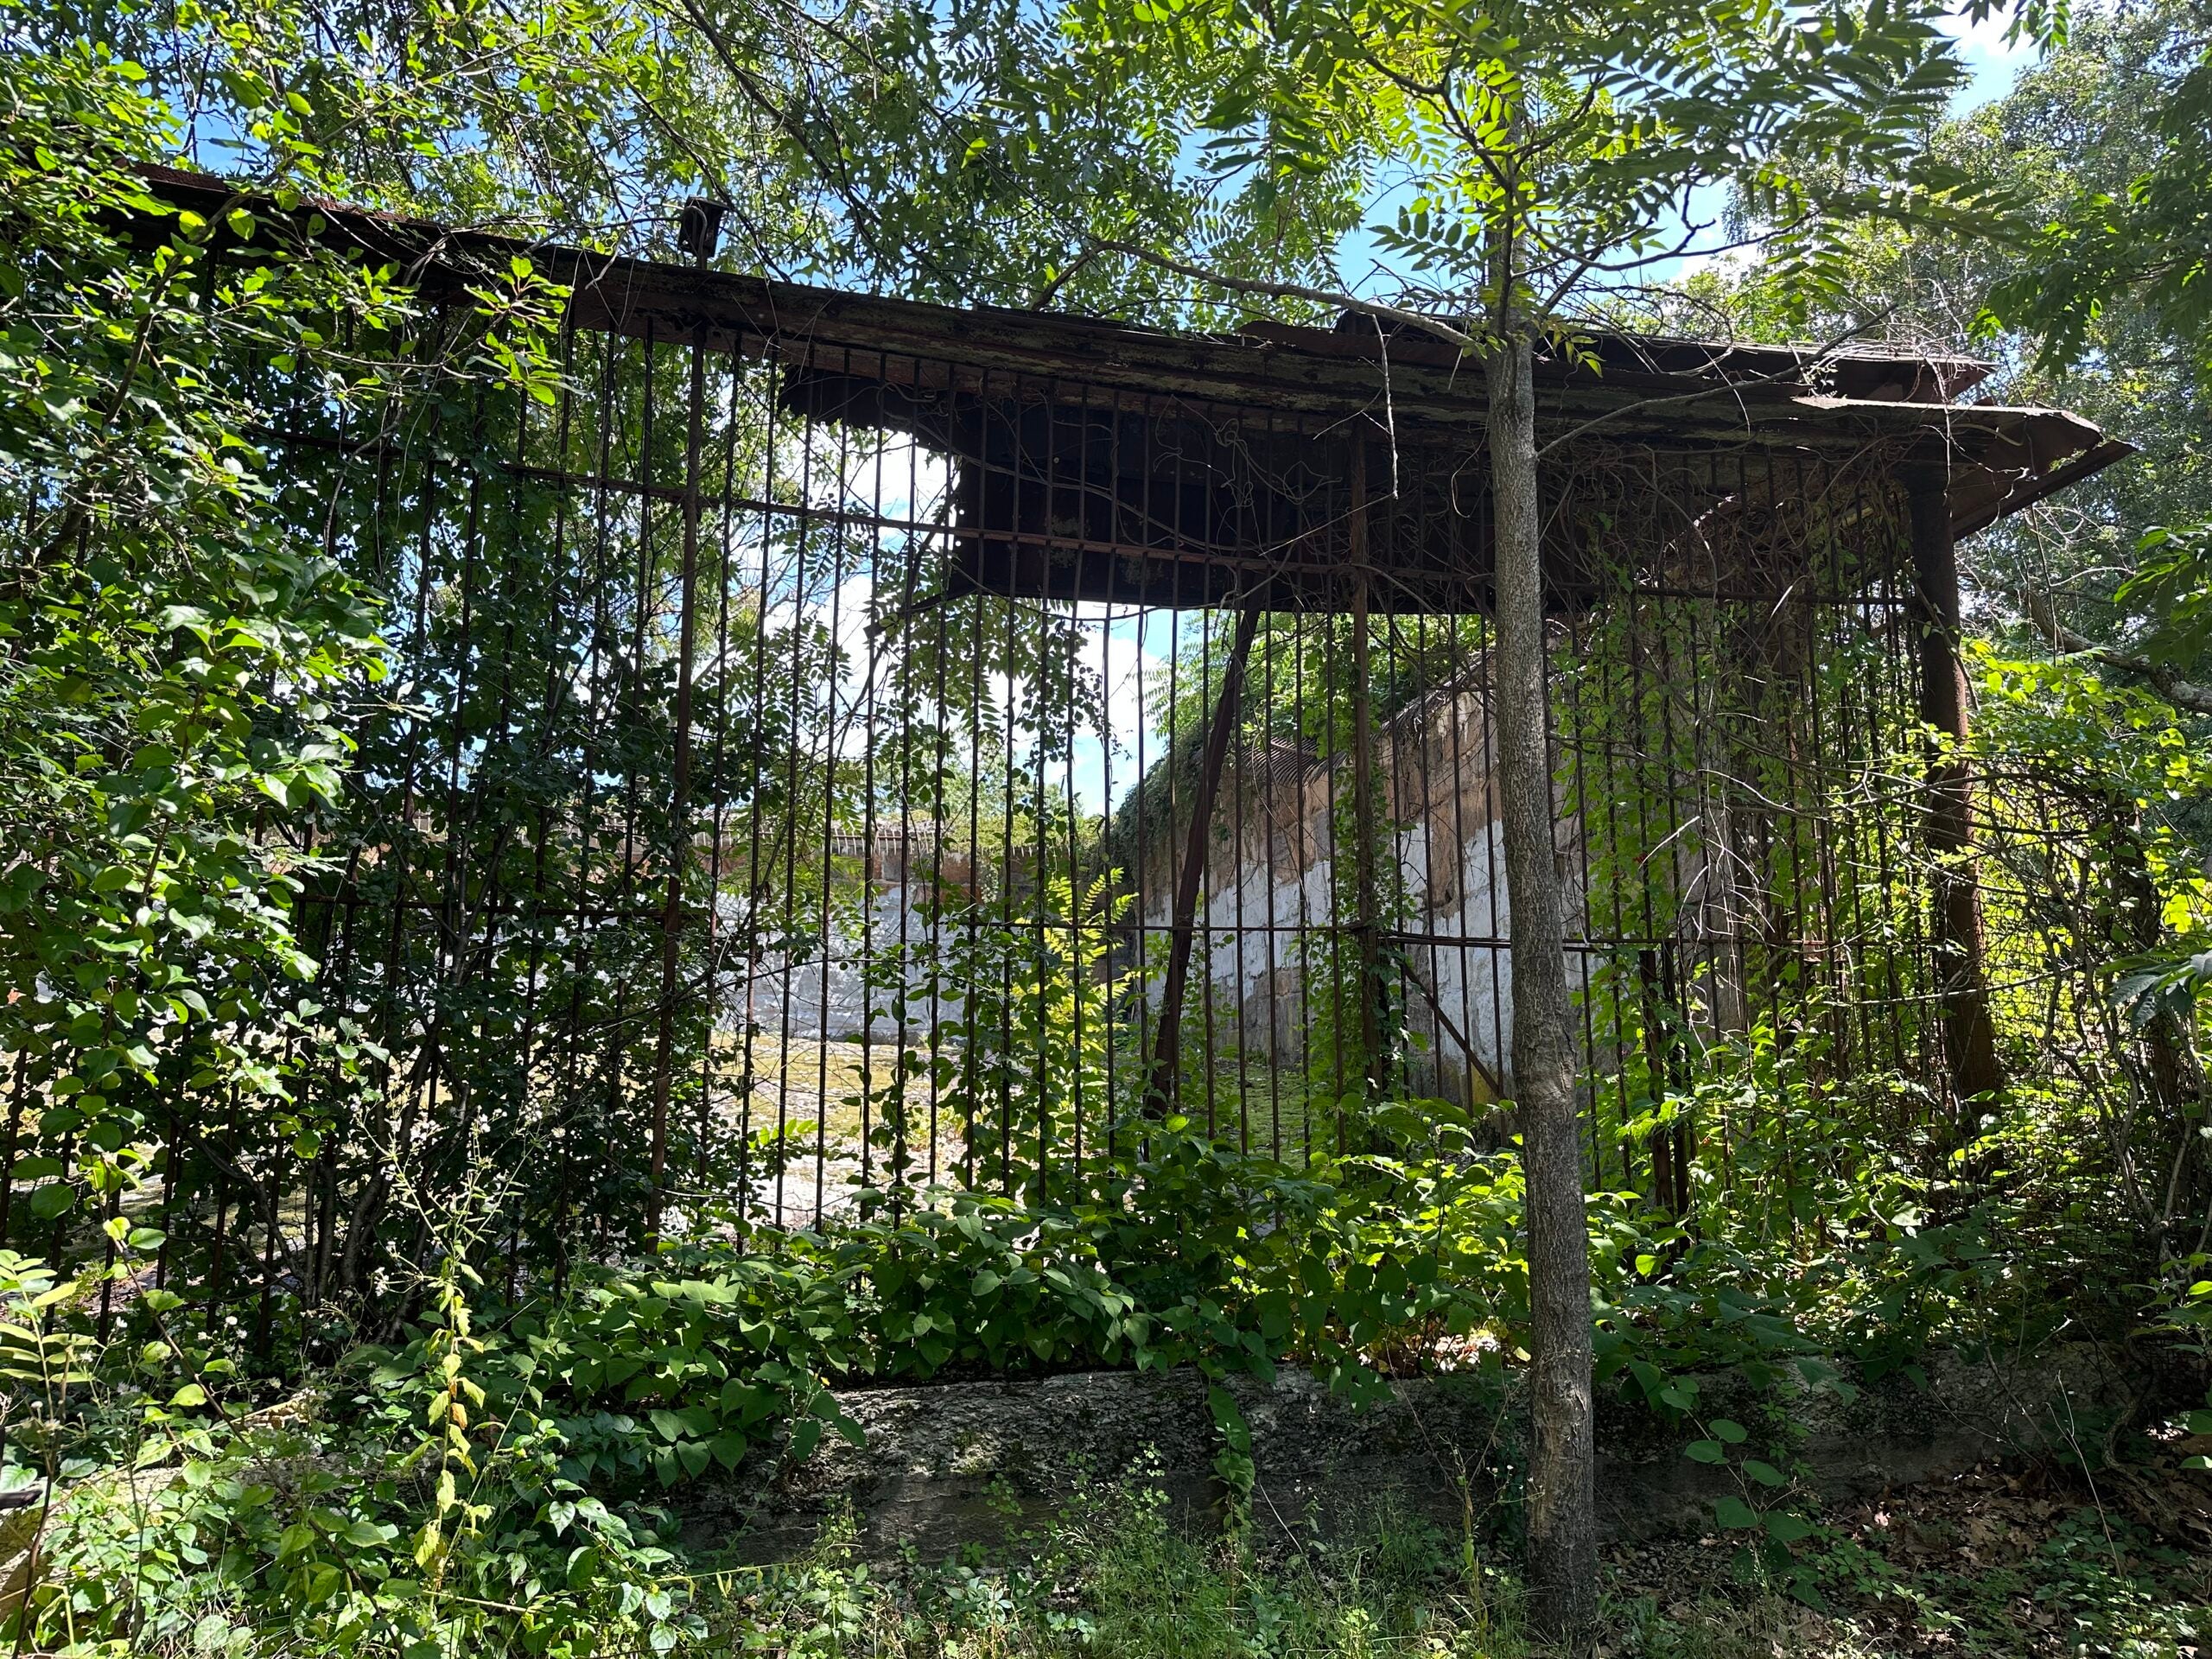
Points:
(1785, 1528)
(1733, 1512)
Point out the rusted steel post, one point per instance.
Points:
(1363, 801)
(679, 811)
(1162, 1082)
(1969, 1038)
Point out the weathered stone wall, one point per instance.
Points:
(959, 1463)
(823, 993)
(1273, 890)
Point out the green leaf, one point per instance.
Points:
(1734, 1433)
(583, 1566)
(1765, 1473)
(1706, 1451)
(729, 1449)
(1733, 1512)
(48, 1202)
(1785, 1528)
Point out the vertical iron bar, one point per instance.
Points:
(679, 839)
(1362, 792)
(1969, 1038)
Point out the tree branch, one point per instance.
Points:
(1274, 290)
(2183, 694)
(786, 120)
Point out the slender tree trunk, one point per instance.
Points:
(1561, 1494)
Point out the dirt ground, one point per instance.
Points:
(2029, 1561)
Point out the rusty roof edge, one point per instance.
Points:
(432, 246)
(211, 188)
(1951, 417)
(2043, 485)
(1248, 368)
(1952, 374)
(1933, 378)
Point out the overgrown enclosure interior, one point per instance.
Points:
(837, 745)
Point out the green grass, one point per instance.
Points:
(1115, 1580)
(1991, 1565)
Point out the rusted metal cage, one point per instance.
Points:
(839, 746)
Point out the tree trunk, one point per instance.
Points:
(1562, 1496)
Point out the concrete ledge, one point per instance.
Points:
(962, 1463)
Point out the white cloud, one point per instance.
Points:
(1993, 62)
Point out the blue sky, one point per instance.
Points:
(1992, 62)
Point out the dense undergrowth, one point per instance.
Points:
(2039, 1563)
(506, 1472)
(1990, 1564)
